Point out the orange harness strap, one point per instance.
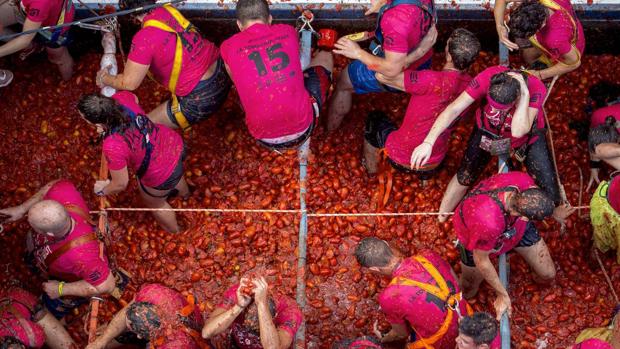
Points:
(385, 181)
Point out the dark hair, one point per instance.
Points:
(534, 203)
(526, 19)
(373, 252)
(463, 47)
(504, 88)
(144, 319)
(605, 133)
(481, 327)
(104, 110)
(602, 93)
(11, 343)
(130, 4)
(346, 343)
(248, 10)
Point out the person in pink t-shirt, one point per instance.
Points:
(403, 39)
(200, 87)
(548, 33)
(592, 343)
(478, 331)
(64, 247)
(255, 317)
(34, 14)
(158, 317)
(132, 141)
(431, 91)
(25, 322)
(510, 121)
(281, 101)
(603, 102)
(429, 317)
(364, 342)
(494, 218)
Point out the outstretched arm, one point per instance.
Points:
(20, 42)
(569, 62)
(17, 212)
(129, 80)
(486, 268)
(116, 327)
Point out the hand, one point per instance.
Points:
(243, 300)
(375, 6)
(420, 155)
(376, 331)
(101, 74)
(260, 290)
(502, 304)
(593, 178)
(348, 48)
(502, 32)
(97, 344)
(11, 214)
(430, 38)
(99, 185)
(51, 288)
(562, 212)
(521, 80)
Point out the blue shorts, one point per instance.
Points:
(364, 80)
(60, 307)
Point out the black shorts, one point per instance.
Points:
(317, 81)
(205, 99)
(538, 163)
(376, 131)
(530, 238)
(130, 338)
(172, 181)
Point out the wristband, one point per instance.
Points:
(61, 285)
(595, 164)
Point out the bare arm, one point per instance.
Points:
(397, 332)
(570, 62)
(119, 182)
(390, 66)
(499, 11)
(221, 319)
(607, 151)
(270, 336)
(17, 212)
(79, 288)
(425, 45)
(523, 116)
(117, 326)
(397, 82)
(447, 117)
(129, 80)
(486, 268)
(20, 42)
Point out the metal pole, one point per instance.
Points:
(303, 153)
(504, 324)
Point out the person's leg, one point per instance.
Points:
(62, 59)
(535, 252)
(451, 198)
(376, 130)
(324, 59)
(161, 115)
(471, 278)
(152, 199)
(7, 16)
(539, 164)
(56, 335)
(340, 103)
(183, 188)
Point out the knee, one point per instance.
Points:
(546, 274)
(59, 56)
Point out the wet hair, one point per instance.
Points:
(481, 327)
(144, 319)
(99, 109)
(463, 47)
(605, 133)
(504, 88)
(11, 343)
(602, 93)
(248, 10)
(534, 203)
(526, 19)
(373, 252)
(130, 4)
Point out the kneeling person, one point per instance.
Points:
(261, 321)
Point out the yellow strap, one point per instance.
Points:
(178, 114)
(546, 55)
(427, 343)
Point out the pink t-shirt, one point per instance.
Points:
(169, 301)
(23, 303)
(403, 28)
(592, 343)
(497, 342)
(155, 47)
(424, 312)
(599, 115)
(431, 91)
(558, 33)
(127, 150)
(263, 61)
(47, 12)
(288, 314)
(478, 89)
(479, 221)
(83, 262)
(613, 193)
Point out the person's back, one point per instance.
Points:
(562, 30)
(264, 63)
(17, 308)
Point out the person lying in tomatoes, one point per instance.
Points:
(254, 317)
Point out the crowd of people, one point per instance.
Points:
(425, 302)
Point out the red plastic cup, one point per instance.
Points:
(327, 38)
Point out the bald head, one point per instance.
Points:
(48, 216)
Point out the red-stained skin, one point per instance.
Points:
(227, 169)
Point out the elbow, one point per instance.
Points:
(206, 333)
(381, 78)
(107, 287)
(131, 85)
(391, 71)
